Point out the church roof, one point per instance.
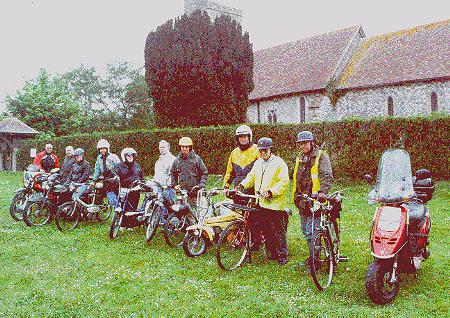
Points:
(13, 125)
(301, 66)
(417, 54)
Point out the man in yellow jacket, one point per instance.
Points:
(313, 176)
(269, 177)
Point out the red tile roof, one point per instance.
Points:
(305, 65)
(416, 54)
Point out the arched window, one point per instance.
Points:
(390, 106)
(434, 102)
(302, 109)
(274, 117)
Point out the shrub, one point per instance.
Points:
(354, 146)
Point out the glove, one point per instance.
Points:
(321, 197)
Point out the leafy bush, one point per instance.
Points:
(354, 146)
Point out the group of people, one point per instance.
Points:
(252, 168)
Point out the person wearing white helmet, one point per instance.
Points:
(104, 164)
(162, 173)
(242, 157)
(129, 172)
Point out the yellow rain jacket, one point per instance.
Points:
(239, 165)
(273, 177)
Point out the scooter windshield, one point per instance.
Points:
(394, 180)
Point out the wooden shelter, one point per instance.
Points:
(12, 130)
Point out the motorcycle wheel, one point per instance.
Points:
(153, 223)
(105, 210)
(116, 222)
(67, 216)
(17, 206)
(232, 246)
(322, 268)
(378, 287)
(194, 245)
(37, 213)
(175, 230)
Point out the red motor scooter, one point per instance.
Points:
(401, 225)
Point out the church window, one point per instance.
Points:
(390, 106)
(302, 109)
(434, 102)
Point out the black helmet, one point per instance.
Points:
(305, 136)
(265, 143)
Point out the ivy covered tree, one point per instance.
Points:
(199, 72)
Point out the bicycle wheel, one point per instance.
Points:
(37, 213)
(67, 216)
(175, 230)
(116, 222)
(153, 223)
(105, 210)
(232, 246)
(322, 268)
(17, 205)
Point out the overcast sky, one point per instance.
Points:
(59, 35)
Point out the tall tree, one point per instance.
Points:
(47, 105)
(199, 72)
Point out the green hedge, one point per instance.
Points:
(355, 145)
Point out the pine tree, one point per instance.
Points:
(199, 72)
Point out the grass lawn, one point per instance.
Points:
(84, 274)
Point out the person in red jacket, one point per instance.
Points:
(46, 160)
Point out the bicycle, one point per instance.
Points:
(154, 210)
(235, 242)
(181, 217)
(324, 249)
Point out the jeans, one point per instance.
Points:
(112, 198)
(307, 223)
(80, 191)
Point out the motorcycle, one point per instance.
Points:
(93, 205)
(212, 219)
(41, 206)
(123, 217)
(401, 225)
(22, 195)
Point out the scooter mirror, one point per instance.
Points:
(368, 178)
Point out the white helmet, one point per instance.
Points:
(126, 151)
(244, 130)
(103, 143)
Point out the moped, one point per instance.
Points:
(401, 225)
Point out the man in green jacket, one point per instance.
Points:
(270, 178)
(313, 176)
(188, 169)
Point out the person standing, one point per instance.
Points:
(162, 174)
(313, 176)
(188, 170)
(69, 160)
(269, 177)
